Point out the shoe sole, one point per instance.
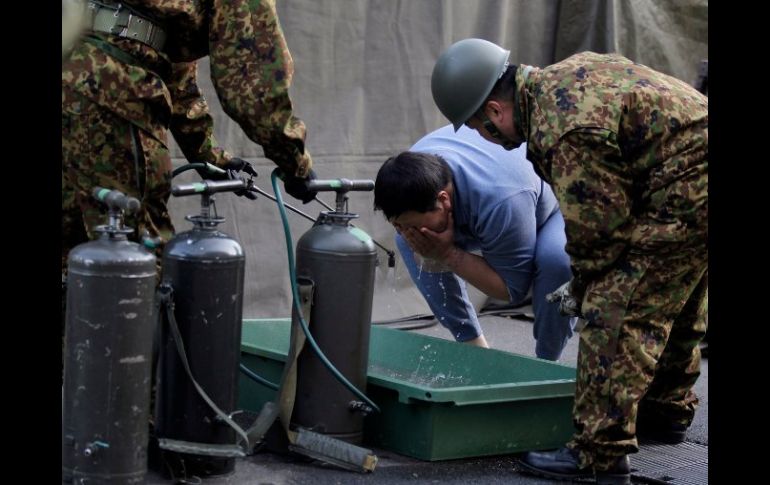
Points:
(551, 475)
(599, 479)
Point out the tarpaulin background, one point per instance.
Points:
(362, 86)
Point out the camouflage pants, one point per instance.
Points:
(645, 318)
(102, 149)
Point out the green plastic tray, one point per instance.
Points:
(439, 399)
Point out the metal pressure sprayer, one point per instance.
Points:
(200, 337)
(110, 320)
(338, 260)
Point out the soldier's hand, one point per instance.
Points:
(237, 165)
(234, 167)
(298, 187)
(568, 304)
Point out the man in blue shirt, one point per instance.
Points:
(455, 193)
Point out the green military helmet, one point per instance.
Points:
(464, 75)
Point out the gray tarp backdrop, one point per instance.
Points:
(362, 86)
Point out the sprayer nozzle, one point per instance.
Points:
(116, 200)
(391, 259)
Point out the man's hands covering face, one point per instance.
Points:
(430, 244)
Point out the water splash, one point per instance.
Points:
(421, 376)
(441, 285)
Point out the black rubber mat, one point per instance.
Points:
(682, 464)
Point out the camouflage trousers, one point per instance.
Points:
(646, 318)
(102, 149)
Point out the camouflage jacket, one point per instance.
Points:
(251, 69)
(191, 123)
(625, 149)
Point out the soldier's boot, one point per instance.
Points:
(564, 464)
(657, 428)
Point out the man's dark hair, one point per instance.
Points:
(410, 181)
(501, 91)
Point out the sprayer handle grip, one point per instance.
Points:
(340, 185)
(116, 200)
(208, 187)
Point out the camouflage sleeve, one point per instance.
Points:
(191, 123)
(595, 196)
(252, 69)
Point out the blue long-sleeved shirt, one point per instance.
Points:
(498, 204)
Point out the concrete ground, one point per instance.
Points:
(512, 335)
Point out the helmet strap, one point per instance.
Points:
(492, 129)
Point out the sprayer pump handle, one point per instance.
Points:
(208, 187)
(116, 200)
(340, 185)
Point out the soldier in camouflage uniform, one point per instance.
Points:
(625, 149)
(132, 77)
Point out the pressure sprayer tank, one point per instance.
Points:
(110, 322)
(204, 269)
(339, 260)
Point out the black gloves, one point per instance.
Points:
(297, 187)
(239, 165)
(236, 165)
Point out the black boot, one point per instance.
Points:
(653, 427)
(564, 464)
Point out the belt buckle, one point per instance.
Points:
(124, 32)
(125, 20)
(147, 36)
(118, 28)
